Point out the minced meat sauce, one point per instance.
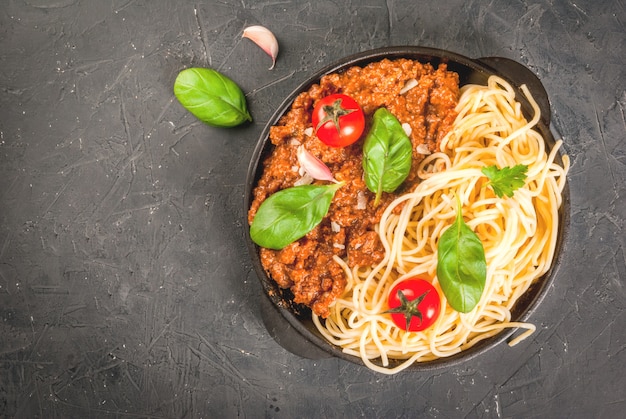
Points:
(307, 266)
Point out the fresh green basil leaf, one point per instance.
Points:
(461, 265)
(212, 97)
(387, 154)
(290, 214)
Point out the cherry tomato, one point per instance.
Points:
(414, 304)
(338, 120)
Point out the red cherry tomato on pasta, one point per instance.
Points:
(414, 304)
(338, 120)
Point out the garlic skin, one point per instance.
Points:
(265, 39)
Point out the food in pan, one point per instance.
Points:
(348, 230)
(433, 223)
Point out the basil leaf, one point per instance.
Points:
(387, 154)
(461, 265)
(212, 97)
(290, 214)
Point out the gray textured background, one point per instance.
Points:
(125, 284)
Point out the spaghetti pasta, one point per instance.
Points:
(519, 235)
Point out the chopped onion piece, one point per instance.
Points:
(336, 228)
(410, 83)
(308, 132)
(339, 246)
(407, 128)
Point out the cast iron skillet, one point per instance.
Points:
(290, 324)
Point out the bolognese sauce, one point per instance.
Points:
(422, 98)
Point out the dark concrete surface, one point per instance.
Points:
(126, 288)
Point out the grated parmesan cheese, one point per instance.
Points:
(304, 180)
(410, 83)
(422, 149)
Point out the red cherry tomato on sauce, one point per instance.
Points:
(338, 120)
(414, 304)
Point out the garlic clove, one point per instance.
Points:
(313, 166)
(265, 39)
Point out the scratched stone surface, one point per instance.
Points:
(126, 288)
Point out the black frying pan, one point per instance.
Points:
(290, 324)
